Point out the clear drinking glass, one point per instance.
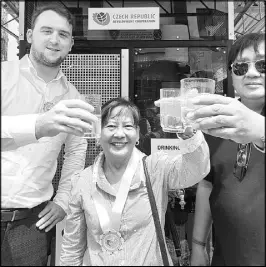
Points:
(192, 87)
(96, 101)
(171, 110)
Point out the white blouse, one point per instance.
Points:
(82, 232)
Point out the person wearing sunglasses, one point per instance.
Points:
(231, 199)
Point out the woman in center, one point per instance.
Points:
(110, 221)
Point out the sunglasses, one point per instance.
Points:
(241, 68)
(242, 160)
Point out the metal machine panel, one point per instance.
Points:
(92, 74)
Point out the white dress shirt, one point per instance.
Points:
(29, 165)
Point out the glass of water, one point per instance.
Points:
(96, 101)
(192, 87)
(171, 110)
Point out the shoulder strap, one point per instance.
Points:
(155, 216)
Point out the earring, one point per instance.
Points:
(97, 143)
(137, 143)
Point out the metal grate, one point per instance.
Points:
(29, 8)
(91, 74)
(212, 22)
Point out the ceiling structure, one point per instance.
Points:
(249, 16)
(12, 8)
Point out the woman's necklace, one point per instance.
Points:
(111, 239)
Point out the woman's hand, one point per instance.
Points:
(199, 256)
(188, 133)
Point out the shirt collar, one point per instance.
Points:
(26, 64)
(101, 180)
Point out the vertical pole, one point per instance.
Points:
(231, 36)
(131, 74)
(22, 42)
(230, 89)
(125, 73)
(231, 26)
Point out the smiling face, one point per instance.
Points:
(51, 39)
(119, 134)
(250, 86)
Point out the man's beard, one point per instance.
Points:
(43, 60)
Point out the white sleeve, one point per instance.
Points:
(74, 241)
(193, 165)
(17, 131)
(74, 160)
(184, 169)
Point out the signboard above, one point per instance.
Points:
(131, 18)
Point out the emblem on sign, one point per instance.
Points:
(101, 18)
(111, 241)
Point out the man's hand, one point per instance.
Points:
(69, 116)
(227, 118)
(50, 216)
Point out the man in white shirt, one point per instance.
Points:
(41, 111)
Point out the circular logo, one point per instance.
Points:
(111, 241)
(101, 18)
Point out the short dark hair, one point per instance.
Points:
(59, 9)
(110, 105)
(245, 41)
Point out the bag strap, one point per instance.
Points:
(172, 228)
(155, 216)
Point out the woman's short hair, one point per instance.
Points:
(245, 41)
(60, 9)
(126, 105)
